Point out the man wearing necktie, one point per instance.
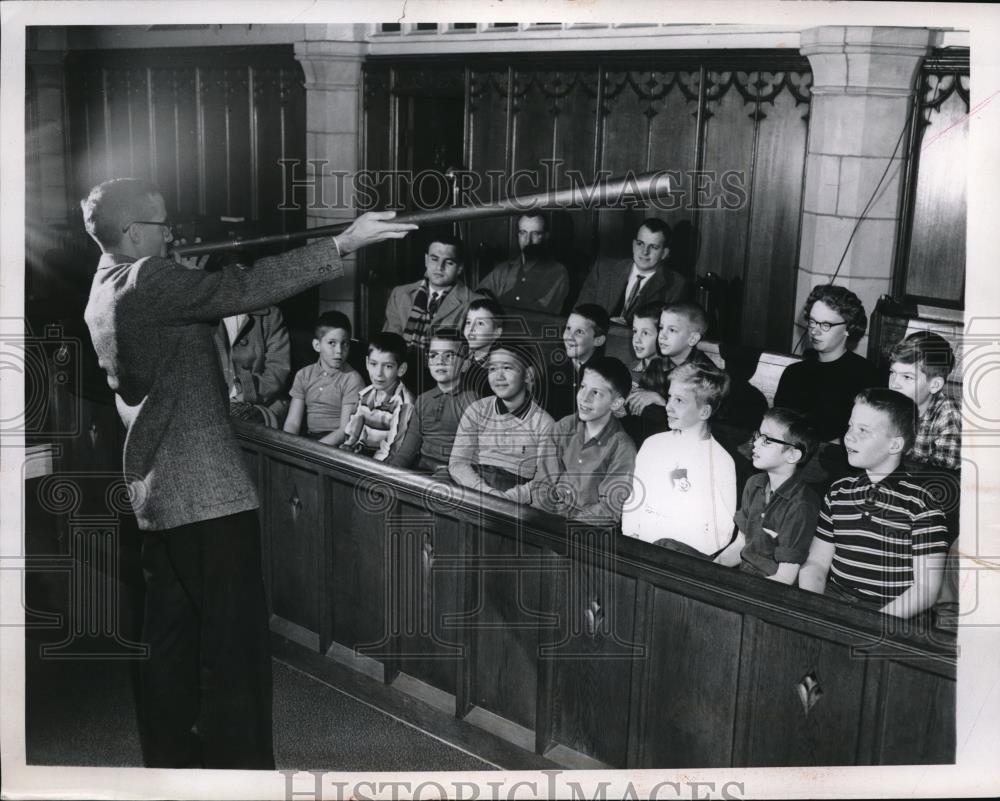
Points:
(440, 298)
(623, 286)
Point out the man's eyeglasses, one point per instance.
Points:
(769, 440)
(443, 356)
(822, 326)
(162, 223)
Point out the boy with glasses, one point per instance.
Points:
(430, 435)
(777, 515)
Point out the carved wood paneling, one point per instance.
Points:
(209, 127)
(746, 112)
(932, 251)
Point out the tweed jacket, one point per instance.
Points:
(152, 323)
(605, 285)
(450, 312)
(259, 358)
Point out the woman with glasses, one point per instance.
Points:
(823, 385)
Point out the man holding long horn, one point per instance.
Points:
(205, 690)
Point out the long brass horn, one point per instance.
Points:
(614, 191)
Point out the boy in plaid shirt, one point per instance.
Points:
(919, 368)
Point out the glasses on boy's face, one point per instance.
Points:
(768, 440)
(822, 326)
(443, 356)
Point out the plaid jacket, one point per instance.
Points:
(939, 434)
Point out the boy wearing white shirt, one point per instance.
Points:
(684, 485)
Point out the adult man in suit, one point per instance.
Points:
(530, 280)
(205, 688)
(438, 299)
(623, 286)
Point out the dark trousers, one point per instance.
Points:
(205, 691)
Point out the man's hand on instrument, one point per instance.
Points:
(191, 262)
(369, 228)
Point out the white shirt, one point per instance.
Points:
(233, 325)
(684, 488)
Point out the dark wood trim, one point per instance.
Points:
(738, 59)
(676, 597)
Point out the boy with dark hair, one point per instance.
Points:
(503, 445)
(326, 392)
(483, 326)
(777, 515)
(594, 455)
(881, 537)
(684, 486)
(919, 367)
(429, 437)
(645, 333)
(682, 326)
(378, 425)
(584, 335)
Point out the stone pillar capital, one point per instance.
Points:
(866, 60)
(331, 65)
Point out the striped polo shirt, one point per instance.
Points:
(877, 529)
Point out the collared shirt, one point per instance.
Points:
(778, 528)
(431, 433)
(378, 424)
(326, 393)
(519, 442)
(877, 529)
(594, 474)
(476, 378)
(939, 434)
(634, 276)
(541, 284)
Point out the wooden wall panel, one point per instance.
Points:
(937, 243)
(594, 655)
(674, 144)
(188, 121)
(487, 150)
(777, 200)
(359, 558)
(692, 672)
(729, 143)
(508, 622)
(778, 662)
(429, 647)
(624, 147)
(918, 713)
(295, 516)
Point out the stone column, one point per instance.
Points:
(332, 68)
(863, 87)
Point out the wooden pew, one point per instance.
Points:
(576, 643)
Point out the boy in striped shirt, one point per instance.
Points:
(881, 539)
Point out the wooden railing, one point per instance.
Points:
(581, 644)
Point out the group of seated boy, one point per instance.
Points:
(594, 440)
